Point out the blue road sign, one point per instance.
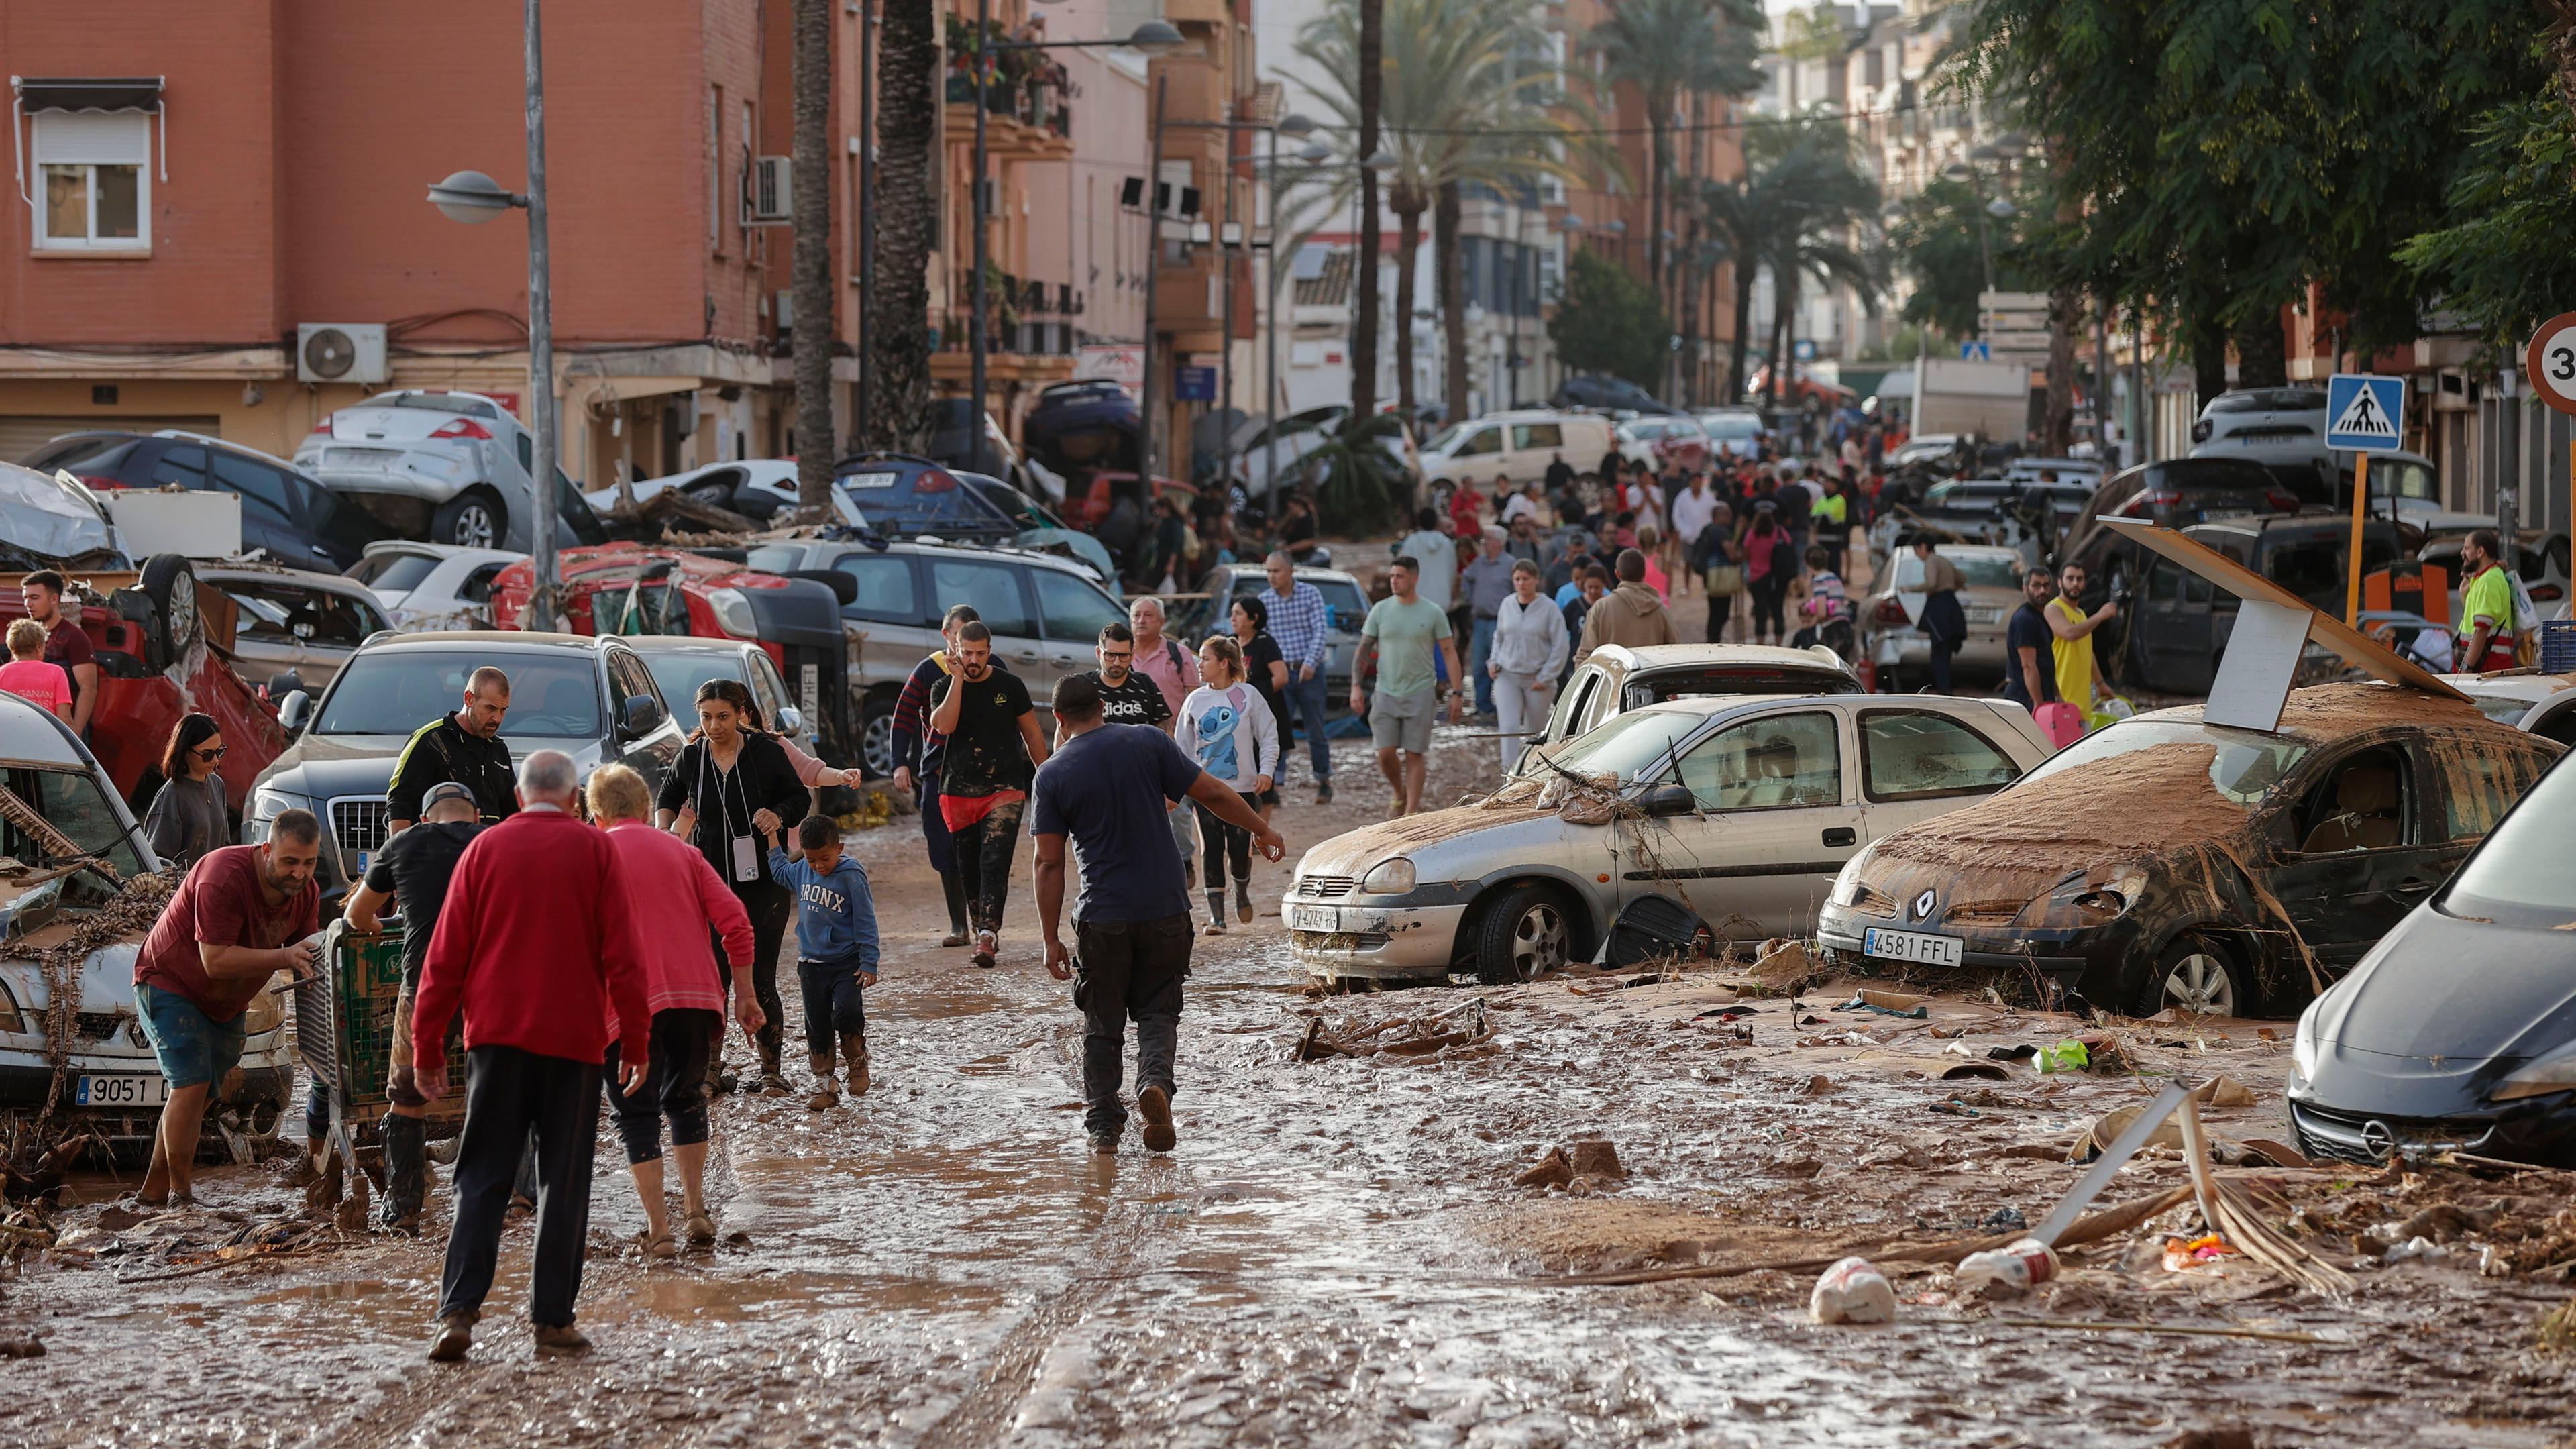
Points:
(1194, 384)
(1976, 352)
(2365, 412)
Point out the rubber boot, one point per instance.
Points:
(406, 1173)
(1216, 911)
(772, 1081)
(854, 1059)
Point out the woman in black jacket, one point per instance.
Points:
(731, 785)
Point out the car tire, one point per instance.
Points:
(1523, 936)
(876, 737)
(711, 495)
(169, 582)
(471, 519)
(2197, 976)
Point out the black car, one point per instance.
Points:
(285, 512)
(2459, 1029)
(1083, 426)
(2174, 626)
(904, 495)
(1607, 394)
(2167, 862)
(2176, 493)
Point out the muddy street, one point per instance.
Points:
(1338, 1254)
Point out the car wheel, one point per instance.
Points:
(470, 520)
(170, 584)
(2197, 977)
(876, 738)
(1526, 934)
(711, 495)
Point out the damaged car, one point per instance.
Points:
(1723, 814)
(2169, 863)
(2458, 1031)
(76, 901)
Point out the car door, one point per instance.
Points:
(1071, 613)
(2172, 636)
(890, 622)
(2364, 846)
(651, 753)
(1477, 452)
(1774, 824)
(999, 591)
(1916, 763)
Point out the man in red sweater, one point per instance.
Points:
(537, 944)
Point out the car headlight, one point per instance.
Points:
(1389, 878)
(733, 613)
(2303, 1047)
(2540, 1079)
(268, 804)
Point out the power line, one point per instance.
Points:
(1744, 124)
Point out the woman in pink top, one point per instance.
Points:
(28, 675)
(677, 900)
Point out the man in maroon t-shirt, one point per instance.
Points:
(241, 915)
(65, 644)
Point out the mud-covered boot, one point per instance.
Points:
(824, 1096)
(406, 1173)
(772, 1082)
(854, 1060)
(1216, 910)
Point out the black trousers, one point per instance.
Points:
(1721, 607)
(674, 1086)
(769, 905)
(1122, 973)
(1770, 594)
(509, 1095)
(834, 1003)
(1942, 649)
(1220, 842)
(984, 851)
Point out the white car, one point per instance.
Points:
(432, 585)
(1620, 677)
(1517, 445)
(1651, 440)
(448, 467)
(756, 488)
(1731, 814)
(112, 1084)
(1736, 432)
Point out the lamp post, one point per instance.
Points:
(474, 198)
(867, 238)
(1154, 37)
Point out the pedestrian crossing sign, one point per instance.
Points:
(2365, 412)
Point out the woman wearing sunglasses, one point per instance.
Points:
(188, 817)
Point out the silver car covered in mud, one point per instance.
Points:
(67, 845)
(1737, 810)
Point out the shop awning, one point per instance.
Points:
(87, 93)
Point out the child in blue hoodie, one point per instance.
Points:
(836, 950)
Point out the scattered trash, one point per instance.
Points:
(2556, 1332)
(2182, 1256)
(2008, 1270)
(2417, 1247)
(2066, 1056)
(1888, 1003)
(1980, 1071)
(1783, 966)
(1817, 1086)
(1553, 1170)
(2005, 1220)
(27, 1347)
(2018, 1051)
(1852, 1291)
(2274, 1153)
(2224, 1091)
(1728, 1013)
(1596, 1158)
(1953, 1108)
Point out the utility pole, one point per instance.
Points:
(1153, 275)
(541, 341)
(867, 237)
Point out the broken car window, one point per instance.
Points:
(2245, 768)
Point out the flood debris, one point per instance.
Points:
(1421, 1038)
(1852, 1291)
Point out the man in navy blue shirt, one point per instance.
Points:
(1108, 787)
(2030, 646)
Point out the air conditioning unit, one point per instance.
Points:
(770, 194)
(341, 352)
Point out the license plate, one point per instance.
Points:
(1314, 918)
(361, 872)
(122, 1091)
(1919, 947)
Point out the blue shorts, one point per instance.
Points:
(195, 1049)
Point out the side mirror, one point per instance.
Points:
(1669, 800)
(640, 716)
(294, 711)
(791, 720)
(282, 685)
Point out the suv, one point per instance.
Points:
(1609, 394)
(2178, 623)
(594, 699)
(1045, 613)
(285, 513)
(111, 1084)
(2176, 493)
(447, 467)
(904, 494)
(1343, 595)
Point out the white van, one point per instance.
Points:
(1518, 445)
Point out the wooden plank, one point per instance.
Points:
(2349, 644)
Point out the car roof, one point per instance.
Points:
(1303, 571)
(252, 570)
(1641, 657)
(687, 644)
(1709, 706)
(520, 640)
(36, 737)
(2325, 713)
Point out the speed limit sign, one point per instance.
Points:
(2550, 362)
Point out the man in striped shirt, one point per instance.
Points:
(1302, 626)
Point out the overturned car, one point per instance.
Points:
(2166, 862)
(77, 897)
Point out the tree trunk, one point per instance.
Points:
(1739, 350)
(1691, 276)
(1407, 205)
(2560, 36)
(2262, 357)
(1658, 185)
(1364, 308)
(907, 220)
(812, 315)
(2208, 360)
(1784, 303)
(2057, 415)
(1445, 222)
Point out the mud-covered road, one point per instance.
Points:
(1337, 1254)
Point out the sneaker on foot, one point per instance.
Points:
(455, 1335)
(1104, 1143)
(561, 1338)
(1156, 1106)
(1216, 927)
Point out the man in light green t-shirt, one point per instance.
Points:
(1406, 638)
(2486, 607)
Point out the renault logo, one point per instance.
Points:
(1923, 906)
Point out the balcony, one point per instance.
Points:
(1027, 117)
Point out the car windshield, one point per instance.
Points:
(2523, 864)
(396, 691)
(1441, 441)
(1733, 679)
(1626, 744)
(2504, 709)
(1731, 425)
(393, 572)
(85, 457)
(1343, 597)
(71, 802)
(679, 672)
(2245, 768)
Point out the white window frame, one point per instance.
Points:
(90, 140)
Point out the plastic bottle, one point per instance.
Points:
(2009, 1269)
(1852, 1291)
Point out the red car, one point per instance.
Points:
(1088, 500)
(164, 646)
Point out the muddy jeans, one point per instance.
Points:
(984, 851)
(1121, 973)
(835, 1004)
(510, 1093)
(769, 905)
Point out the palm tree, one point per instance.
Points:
(1669, 49)
(908, 87)
(1802, 194)
(812, 195)
(1369, 69)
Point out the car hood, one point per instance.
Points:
(1939, 895)
(324, 767)
(1461, 842)
(2442, 992)
(106, 977)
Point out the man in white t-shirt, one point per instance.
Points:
(1437, 554)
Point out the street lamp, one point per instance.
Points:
(1154, 37)
(472, 198)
